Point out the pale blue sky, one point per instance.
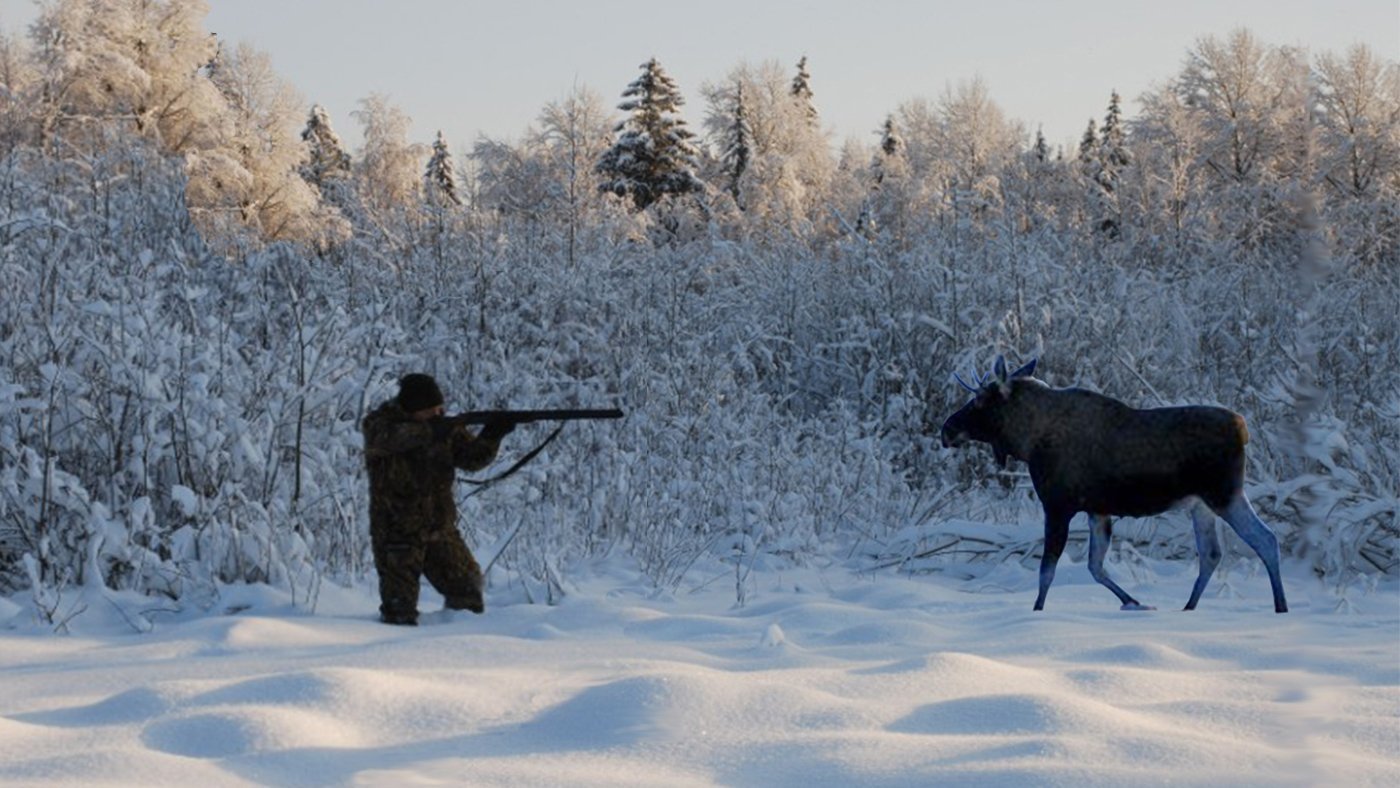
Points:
(470, 67)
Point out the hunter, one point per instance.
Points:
(412, 453)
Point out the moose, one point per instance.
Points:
(1091, 453)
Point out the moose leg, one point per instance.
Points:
(1100, 533)
(1207, 549)
(1241, 517)
(1056, 534)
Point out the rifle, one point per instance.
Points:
(527, 416)
(488, 417)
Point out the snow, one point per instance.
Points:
(185, 498)
(824, 677)
(179, 420)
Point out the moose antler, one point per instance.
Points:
(982, 380)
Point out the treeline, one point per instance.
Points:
(214, 289)
(1228, 149)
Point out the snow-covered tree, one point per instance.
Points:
(1169, 141)
(132, 63)
(1089, 148)
(1254, 106)
(977, 132)
(18, 80)
(551, 172)
(978, 141)
(1037, 184)
(802, 92)
(1103, 161)
(574, 130)
(736, 144)
(441, 196)
(1359, 115)
(653, 155)
(891, 144)
(1040, 149)
(327, 161)
(889, 181)
(147, 67)
(269, 195)
(572, 134)
(1113, 145)
(922, 134)
(511, 180)
(1359, 148)
(1244, 92)
(440, 176)
(388, 165)
(788, 165)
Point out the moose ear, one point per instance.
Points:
(1025, 371)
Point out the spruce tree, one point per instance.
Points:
(653, 155)
(326, 159)
(891, 147)
(738, 144)
(802, 91)
(1113, 149)
(1110, 157)
(1089, 144)
(890, 142)
(440, 177)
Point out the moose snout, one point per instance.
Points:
(952, 437)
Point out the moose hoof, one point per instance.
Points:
(1136, 606)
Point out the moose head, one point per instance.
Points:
(981, 419)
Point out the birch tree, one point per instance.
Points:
(388, 166)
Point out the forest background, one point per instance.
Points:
(206, 291)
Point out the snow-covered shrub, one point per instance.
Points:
(174, 418)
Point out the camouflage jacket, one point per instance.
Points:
(412, 465)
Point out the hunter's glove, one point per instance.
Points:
(496, 430)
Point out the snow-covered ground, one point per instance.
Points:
(823, 678)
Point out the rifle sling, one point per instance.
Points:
(482, 484)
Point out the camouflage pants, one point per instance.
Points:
(442, 557)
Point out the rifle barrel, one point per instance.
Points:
(527, 416)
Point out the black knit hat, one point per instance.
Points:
(418, 392)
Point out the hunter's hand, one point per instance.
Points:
(496, 430)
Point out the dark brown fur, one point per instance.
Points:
(1095, 454)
